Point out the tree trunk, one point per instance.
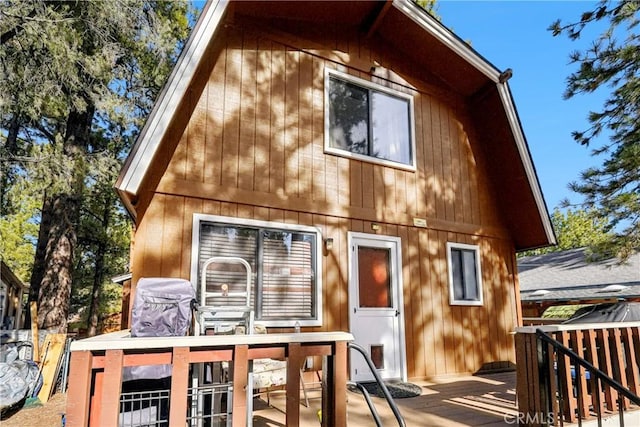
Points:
(96, 292)
(55, 286)
(39, 264)
(10, 148)
(98, 274)
(57, 239)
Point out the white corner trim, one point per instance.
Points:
(172, 93)
(525, 156)
(447, 37)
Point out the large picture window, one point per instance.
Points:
(368, 121)
(284, 260)
(465, 279)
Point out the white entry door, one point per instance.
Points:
(375, 305)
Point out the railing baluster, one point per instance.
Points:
(561, 388)
(581, 380)
(596, 382)
(570, 400)
(624, 395)
(618, 361)
(544, 379)
(592, 356)
(621, 409)
(553, 384)
(610, 395)
(631, 361)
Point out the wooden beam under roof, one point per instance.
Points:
(378, 17)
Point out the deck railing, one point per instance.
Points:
(553, 387)
(95, 378)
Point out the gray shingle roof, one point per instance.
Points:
(568, 275)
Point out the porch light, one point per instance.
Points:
(328, 244)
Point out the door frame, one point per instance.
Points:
(354, 237)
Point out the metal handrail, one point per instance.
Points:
(600, 375)
(383, 387)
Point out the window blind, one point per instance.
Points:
(283, 268)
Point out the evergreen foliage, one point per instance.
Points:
(612, 63)
(79, 79)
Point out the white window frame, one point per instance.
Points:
(476, 250)
(240, 222)
(379, 88)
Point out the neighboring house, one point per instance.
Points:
(568, 277)
(11, 291)
(366, 162)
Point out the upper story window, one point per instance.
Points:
(285, 262)
(465, 279)
(367, 121)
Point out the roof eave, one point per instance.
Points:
(527, 162)
(447, 37)
(139, 160)
(175, 88)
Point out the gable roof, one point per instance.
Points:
(448, 59)
(570, 276)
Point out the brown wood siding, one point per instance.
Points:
(441, 339)
(254, 148)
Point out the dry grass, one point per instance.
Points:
(47, 415)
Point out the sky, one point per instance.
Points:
(513, 34)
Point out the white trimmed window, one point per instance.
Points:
(285, 260)
(465, 278)
(367, 121)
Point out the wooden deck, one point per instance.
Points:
(96, 372)
(482, 400)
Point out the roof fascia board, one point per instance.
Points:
(128, 203)
(453, 42)
(525, 156)
(174, 90)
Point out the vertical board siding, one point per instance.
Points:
(443, 339)
(258, 127)
(248, 96)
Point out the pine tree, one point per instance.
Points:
(612, 63)
(78, 79)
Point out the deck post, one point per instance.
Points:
(334, 387)
(179, 386)
(111, 388)
(79, 389)
(240, 382)
(294, 362)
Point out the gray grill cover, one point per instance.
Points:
(161, 308)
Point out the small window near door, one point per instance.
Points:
(465, 280)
